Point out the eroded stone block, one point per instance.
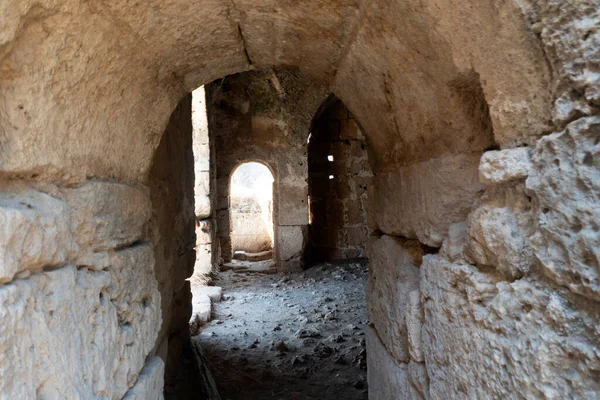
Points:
(565, 185)
(500, 230)
(484, 337)
(201, 308)
(504, 165)
(107, 215)
(34, 231)
(78, 334)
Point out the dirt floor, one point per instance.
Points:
(296, 336)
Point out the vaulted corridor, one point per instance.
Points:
(464, 143)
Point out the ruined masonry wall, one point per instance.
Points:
(265, 116)
(338, 206)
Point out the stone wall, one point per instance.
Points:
(339, 175)
(507, 307)
(79, 299)
(207, 255)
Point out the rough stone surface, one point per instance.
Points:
(499, 231)
(424, 199)
(564, 183)
(388, 379)
(484, 337)
(149, 385)
(107, 215)
(504, 165)
(111, 326)
(34, 231)
(393, 275)
(569, 33)
(456, 241)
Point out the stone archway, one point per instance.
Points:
(88, 90)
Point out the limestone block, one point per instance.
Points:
(387, 378)
(79, 334)
(422, 200)
(569, 106)
(565, 185)
(150, 383)
(419, 381)
(223, 223)
(456, 241)
(371, 205)
(201, 307)
(134, 291)
(213, 292)
(414, 321)
(34, 231)
(487, 338)
(499, 231)
(293, 203)
(290, 242)
(393, 274)
(107, 215)
(504, 165)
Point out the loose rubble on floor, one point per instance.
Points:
(297, 336)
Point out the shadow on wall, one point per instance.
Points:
(338, 178)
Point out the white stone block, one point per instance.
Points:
(500, 166)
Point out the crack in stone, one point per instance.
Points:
(244, 47)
